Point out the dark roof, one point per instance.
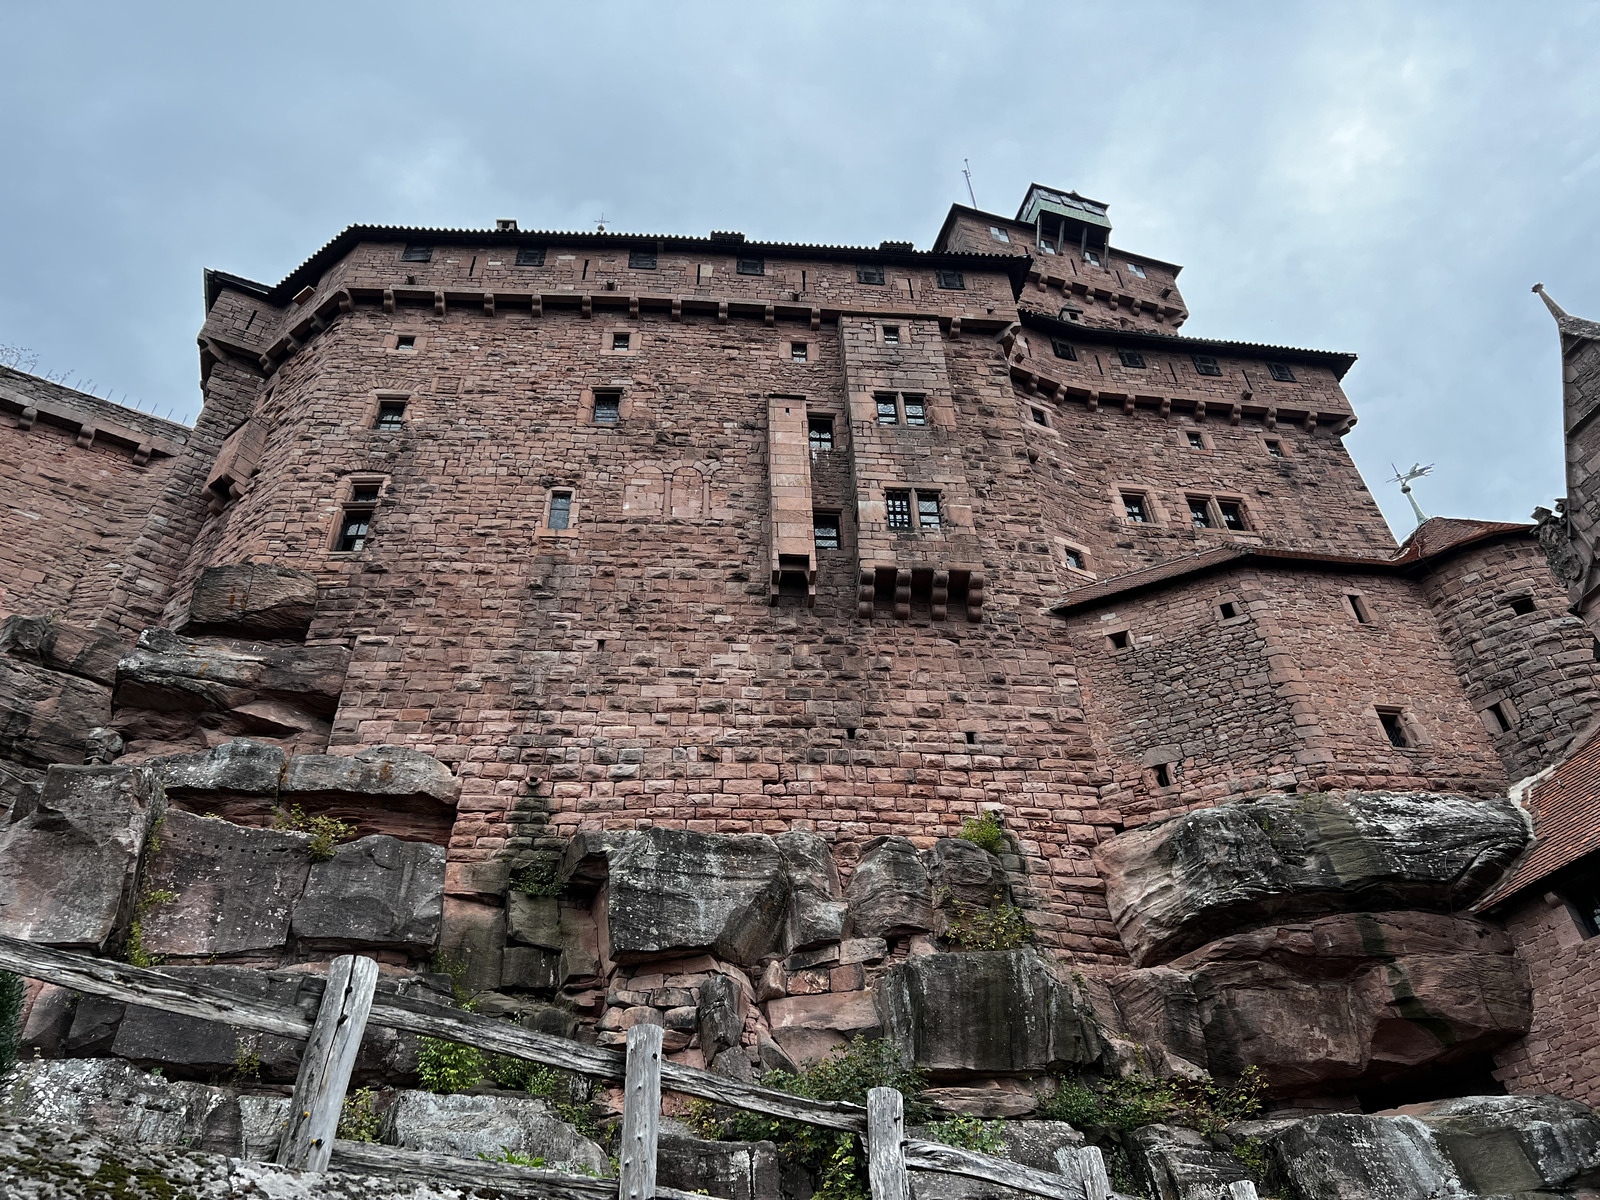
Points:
(1424, 546)
(1565, 808)
(1336, 361)
(950, 217)
(308, 272)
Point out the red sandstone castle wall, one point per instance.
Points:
(1561, 1054)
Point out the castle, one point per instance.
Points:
(577, 535)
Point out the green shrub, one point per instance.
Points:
(508, 1155)
(246, 1059)
(358, 1119)
(1252, 1152)
(133, 950)
(985, 832)
(1003, 927)
(12, 992)
(1139, 1099)
(539, 878)
(521, 1075)
(326, 832)
(970, 1133)
(449, 1066)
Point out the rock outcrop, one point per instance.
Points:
(889, 892)
(252, 600)
(375, 892)
(474, 1126)
(732, 1170)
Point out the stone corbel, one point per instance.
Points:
(488, 304)
(586, 305)
(1030, 383)
(975, 598)
(1271, 421)
(677, 308)
(1092, 402)
(438, 303)
(633, 307)
(1166, 406)
(770, 316)
(1311, 422)
(538, 305)
(866, 588)
(955, 327)
(1236, 414)
(345, 300)
(940, 597)
(27, 417)
(141, 454)
(1199, 412)
(722, 312)
(1128, 405)
(85, 436)
(388, 300)
(902, 594)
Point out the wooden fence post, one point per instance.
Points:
(326, 1062)
(641, 1113)
(1092, 1173)
(886, 1135)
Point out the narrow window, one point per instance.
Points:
(530, 256)
(417, 254)
(798, 352)
(1232, 515)
(1162, 774)
(560, 510)
(1521, 605)
(1595, 649)
(888, 411)
(1038, 417)
(353, 533)
(1205, 364)
(1090, 257)
(1281, 372)
(1358, 608)
(825, 530)
(916, 410)
(621, 341)
(897, 505)
(1048, 245)
(406, 341)
(391, 415)
(952, 281)
(1495, 718)
(928, 510)
(871, 274)
(607, 408)
(1133, 507)
(998, 234)
(1200, 512)
(752, 266)
(891, 335)
(1119, 640)
(1075, 559)
(1394, 727)
(1274, 448)
(1131, 358)
(821, 431)
(1228, 609)
(1196, 441)
(1135, 269)
(1063, 349)
(642, 260)
(972, 737)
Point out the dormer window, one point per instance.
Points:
(530, 256)
(1131, 358)
(752, 266)
(952, 281)
(417, 254)
(1063, 349)
(1206, 364)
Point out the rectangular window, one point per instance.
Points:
(1063, 349)
(1521, 605)
(1232, 515)
(952, 281)
(752, 266)
(1206, 364)
(891, 335)
(1047, 245)
(1358, 608)
(607, 408)
(1134, 508)
(1162, 774)
(825, 530)
(1200, 512)
(391, 415)
(1039, 417)
(1090, 257)
(798, 352)
(1131, 358)
(1228, 610)
(1075, 559)
(897, 509)
(417, 254)
(405, 341)
(1196, 441)
(1494, 717)
(530, 256)
(928, 510)
(1274, 448)
(642, 260)
(998, 234)
(1394, 727)
(355, 529)
(1119, 639)
(1281, 372)
(621, 341)
(560, 510)
(916, 411)
(871, 274)
(821, 431)
(888, 411)
(1135, 269)
(365, 493)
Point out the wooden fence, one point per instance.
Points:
(349, 1003)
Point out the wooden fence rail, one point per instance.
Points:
(349, 1003)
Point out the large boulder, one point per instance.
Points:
(1049, 1146)
(965, 874)
(49, 716)
(1343, 1001)
(1177, 1163)
(731, 1170)
(1501, 1145)
(69, 856)
(374, 892)
(57, 645)
(816, 907)
(1348, 1157)
(235, 887)
(888, 894)
(1178, 883)
(474, 1126)
(984, 1013)
(252, 600)
(674, 892)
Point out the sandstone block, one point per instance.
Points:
(816, 906)
(252, 600)
(530, 967)
(49, 715)
(60, 646)
(1177, 1163)
(168, 672)
(809, 1028)
(466, 1126)
(533, 920)
(1503, 1145)
(732, 1170)
(964, 873)
(374, 892)
(721, 1014)
(1348, 1157)
(473, 935)
(888, 894)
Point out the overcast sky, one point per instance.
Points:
(1383, 179)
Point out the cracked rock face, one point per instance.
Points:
(1176, 884)
(889, 892)
(252, 600)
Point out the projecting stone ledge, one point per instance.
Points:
(252, 600)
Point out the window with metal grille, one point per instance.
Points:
(1134, 508)
(888, 411)
(916, 411)
(1196, 441)
(897, 509)
(928, 510)
(821, 431)
(825, 530)
(560, 510)
(405, 341)
(1281, 372)
(355, 529)
(952, 281)
(1206, 364)
(1075, 559)
(1394, 727)
(642, 260)
(1232, 515)
(1135, 269)
(417, 254)
(530, 256)
(891, 335)
(1131, 358)
(1063, 349)
(621, 341)
(752, 266)
(607, 408)
(1274, 448)
(1200, 512)
(391, 415)
(799, 352)
(869, 274)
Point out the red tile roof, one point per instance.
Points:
(1566, 821)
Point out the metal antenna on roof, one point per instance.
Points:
(600, 223)
(966, 169)
(1404, 480)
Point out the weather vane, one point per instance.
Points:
(1404, 480)
(600, 223)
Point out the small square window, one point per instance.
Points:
(888, 411)
(391, 415)
(607, 408)
(1135, 269)
(952, 281)
(1274, 448)
(1135, 509)
(821, 432)
(891, 335)
(1039, 417)
(799, 352)
(1196, 441)
(1161, 774)
(642, 260)
(1119, 639)
(1228, 610)
(1281, 372)
(1131, 358)
(1063, 350)
(355, 529)
(1521, 605)
(752, 266)
(998, 234)
(1090, 257)
(825, 530)
(1206, 364)
(1495, 719)
(1394, 728)
(916, 411)
(928, 510)
(365, 493)
(1200, 512)
(560, 510)
(1075, 559)
(621, 341)
(897, 509)
(530, 256)
(417, 254)
(1358, 608)
(1232, 515)
(869, 274)
(405, 341)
